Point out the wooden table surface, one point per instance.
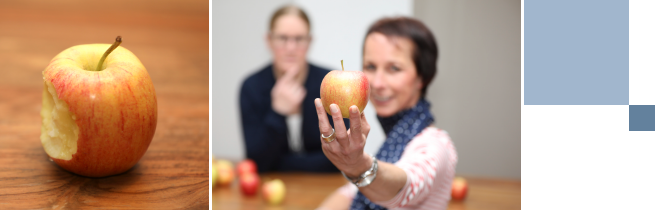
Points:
(307, 191)
(171, 38)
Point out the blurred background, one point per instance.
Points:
(476, 95)
(161, 33)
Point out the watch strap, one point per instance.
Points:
(365, 178)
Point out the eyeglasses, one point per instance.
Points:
(282, 40)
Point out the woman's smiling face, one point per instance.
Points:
(389, 68)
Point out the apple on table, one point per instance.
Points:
(214, 171)
(345, 88)
(224, 172)
(246, 166)
(459, 189)
(249, 183)
(99, 110)
(274, 191)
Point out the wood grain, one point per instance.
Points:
(305, 191)
(171, 38)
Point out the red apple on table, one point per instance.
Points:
(273, 191)
(249, 184)
(345, 88)
(99, 110)
(459, 188)
(224, 172)
(246, 166)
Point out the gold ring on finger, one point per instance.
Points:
(329, 138)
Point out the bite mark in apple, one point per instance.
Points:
(58, 129)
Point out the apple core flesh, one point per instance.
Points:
(58, 130)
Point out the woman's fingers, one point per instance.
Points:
(299, 94)
(340, 130)
(356, 136)
(323, 122)
(365, 126)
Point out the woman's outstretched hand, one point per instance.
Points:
(347, 152)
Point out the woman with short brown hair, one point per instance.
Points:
(415, 165)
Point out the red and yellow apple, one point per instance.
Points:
(224, 172)
(345, 88)
(273, 192)
(99, 113)
(246, 166)
(459, 188)
(249, 183)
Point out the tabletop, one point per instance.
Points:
(306, 191)
(171, 38)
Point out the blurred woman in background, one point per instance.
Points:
(277, 108)
(415, 166)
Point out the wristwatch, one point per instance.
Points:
(365, 178)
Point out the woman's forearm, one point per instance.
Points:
(390, 179)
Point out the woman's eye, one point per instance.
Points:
(394, 68)
(369, 67)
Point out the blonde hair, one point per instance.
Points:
(288, 10)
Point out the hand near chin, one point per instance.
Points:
(346, 151)
(287, 94)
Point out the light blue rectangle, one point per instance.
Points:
(576, 52)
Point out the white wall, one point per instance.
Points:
(238, 49)
(476, 96)
(239, 27)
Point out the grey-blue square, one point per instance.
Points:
(642, 117)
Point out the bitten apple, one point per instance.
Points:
(224, 172)
(273, 191)
(246, 166)
(459, 188)
(345, 88)
(249, 183)
(99, 110)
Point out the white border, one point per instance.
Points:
(210, 104)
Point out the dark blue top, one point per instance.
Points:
(265, 131)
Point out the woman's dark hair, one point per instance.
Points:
(425, 51)
(288, 10)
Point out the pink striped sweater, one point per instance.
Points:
(429, 161)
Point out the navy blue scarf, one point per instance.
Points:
(400, 129)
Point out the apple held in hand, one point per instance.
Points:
(459, 188)
(246, 167)
(345, 88)
(99, 111)
(249, 184)
(274, 191)
(224, 172)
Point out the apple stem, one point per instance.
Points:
(341, 65)
(111, 48)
